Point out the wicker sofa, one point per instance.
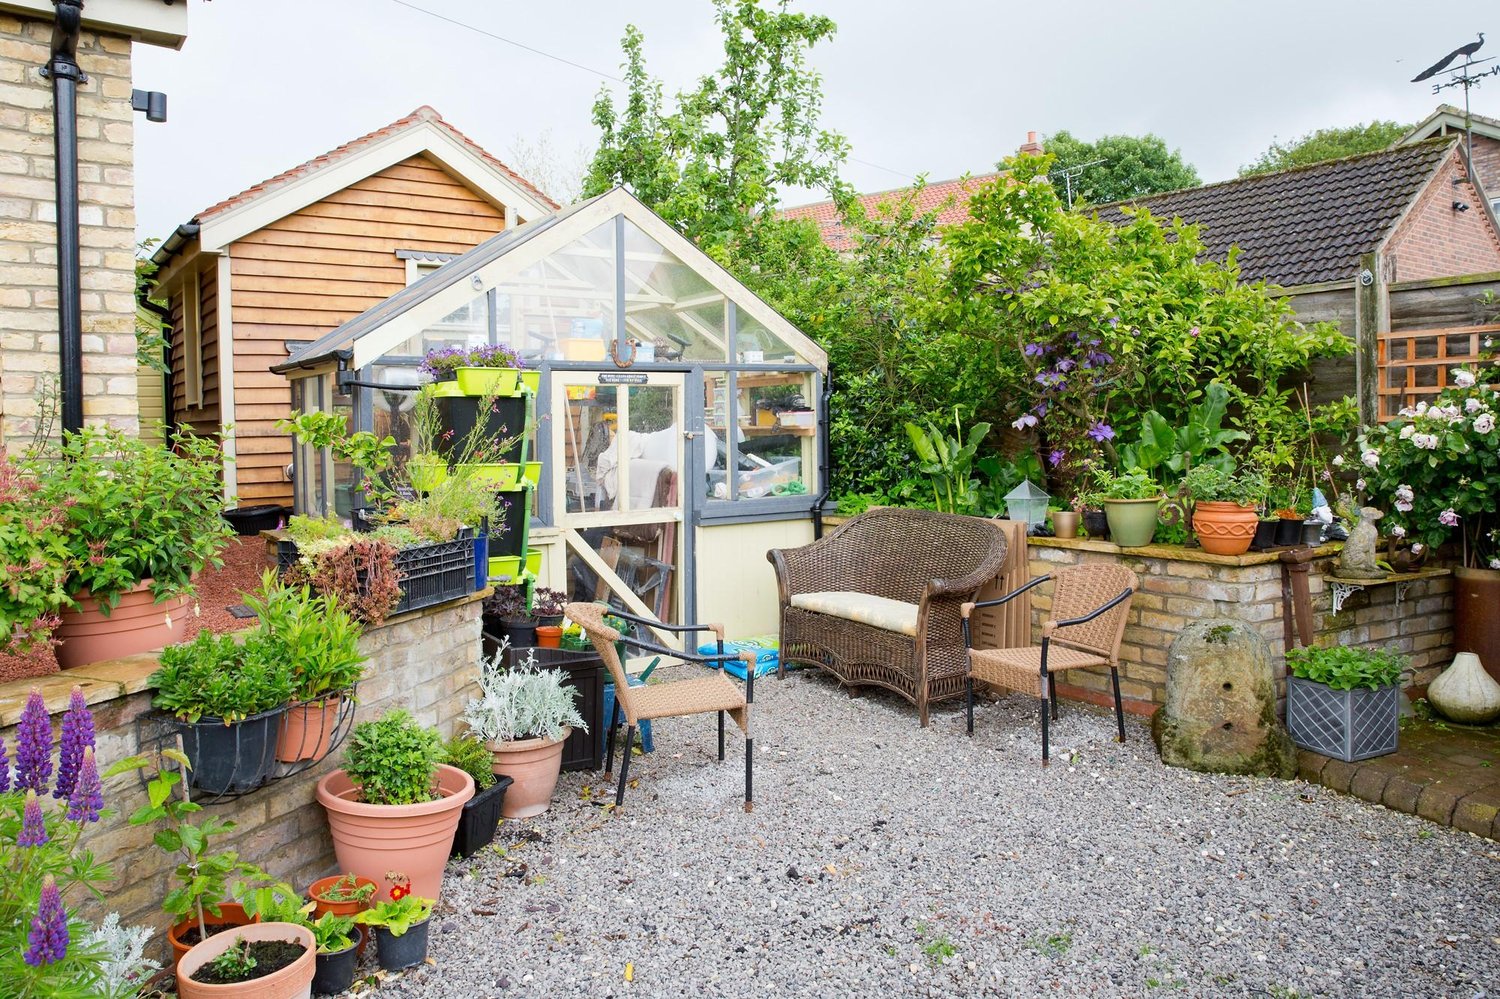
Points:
(877, 601)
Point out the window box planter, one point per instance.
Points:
(506, 475)
(1346, 725)
(476, 382)
(480, 819)
(232, 758)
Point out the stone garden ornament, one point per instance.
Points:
(1357, 560)
(1465, 692)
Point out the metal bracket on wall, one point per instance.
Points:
(1343, 591)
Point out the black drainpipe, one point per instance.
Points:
(825, 460)
(63, 70)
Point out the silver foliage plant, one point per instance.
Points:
(125, 968)
(521, 702)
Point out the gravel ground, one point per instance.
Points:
(887, 860)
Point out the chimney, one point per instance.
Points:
(1030, 147)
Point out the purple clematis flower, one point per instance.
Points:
(1102, 431)
(1066, 364)
(1025, 420)
(48, 938)
(77, 738)
(1098, 359)
(1034, 350)
(1056, 457)
(33, 746)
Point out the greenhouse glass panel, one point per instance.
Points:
(774, 436)
(669, 305)
(466, 326)
(757, 345)
(563, 306)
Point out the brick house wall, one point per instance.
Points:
(1436, 241)
(1487, 165)
(28, 248)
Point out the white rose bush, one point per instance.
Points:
(1435, 469)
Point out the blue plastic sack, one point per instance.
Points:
(767, 655)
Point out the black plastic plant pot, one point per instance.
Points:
(515, 521)
(408, 950)
(504, 420)
(233, 758)
(1265, 535)
(249, 521)
(1096, 524)
(1288, 532)
(335, 972)
(522, 634)
(480, 819)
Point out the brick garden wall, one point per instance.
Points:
(28, 232)
(427, 662)
(1179, 586)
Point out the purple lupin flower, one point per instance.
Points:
(77, 738)
(33, 826)
(49, 928)
(88, 792)
(33, 746)
(4, 769)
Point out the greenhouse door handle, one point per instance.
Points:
(690, 435)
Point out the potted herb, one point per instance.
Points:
(318, 642)
(1131, 500)
(1224, 503)
(140, 521)
(481, 815)
(492, 369)
(227, 699)
(257, 961)
(524, 715)
(401, 925)
(341, 894)
(394, 804)
(1344, 702)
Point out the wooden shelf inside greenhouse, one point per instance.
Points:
(751, 430)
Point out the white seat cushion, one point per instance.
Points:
(878, 612)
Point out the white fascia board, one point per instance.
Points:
(426, 137)
(225, 298)
(744, 299)
(150, 21)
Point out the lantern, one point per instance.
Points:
(1027, 503)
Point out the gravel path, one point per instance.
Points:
(887, 860)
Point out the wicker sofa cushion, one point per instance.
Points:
(878, 612)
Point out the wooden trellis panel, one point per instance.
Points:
(1415, 364)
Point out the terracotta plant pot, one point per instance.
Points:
(548, 636)
(292, 982)
(1132, 522)
(1476, 626)
(231, 913)
(1064, 523)
(1225, 528)
(136, 624)
(413, 839)
(307, 730)
(322, 905)
(533, 766)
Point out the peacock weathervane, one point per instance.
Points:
(1466, 76)
(1467, 51)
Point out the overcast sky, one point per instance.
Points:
(940, 87)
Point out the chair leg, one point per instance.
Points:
(609, 742)
(969, 702)
(721, 737)
(624, 767)
(1042, 703)
(1052, 693)
(1114, 674)
(749, 768)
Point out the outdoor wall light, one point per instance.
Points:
(1460, 206)
(153, 102)
(477, 282)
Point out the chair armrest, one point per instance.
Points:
(972, 605)
(717, 629)
(1048, 627)
(804, 569)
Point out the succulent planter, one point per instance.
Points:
(1224, 528)
(233, 758)
(430, 574)
(481, 817)
(487, 381)
(533, 766)
(136, 624)
(334, 972)
(290, 982)
(1347, 725)
(406, 951)
(1132, 522)
(413, 839)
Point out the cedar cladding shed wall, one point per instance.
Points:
(306, 273)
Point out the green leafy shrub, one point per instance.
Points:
(1344, 668)
(1213, 484)
(470, 755)
(34, 552)
(311, 633)
(397, 915)
(393, 760)
(214, 676)
(948, 462)
(1132, 485)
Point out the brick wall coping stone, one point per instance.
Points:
(116, 678)
(1177, 553)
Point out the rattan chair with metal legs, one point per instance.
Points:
(712, 692)
(1089, 606)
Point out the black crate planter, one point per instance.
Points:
(1346, 725)
(504, 420)
(430, 574)
(584, 672)
(481, 817)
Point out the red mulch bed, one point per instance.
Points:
(218, 590)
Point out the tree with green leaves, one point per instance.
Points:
(1327, 144)
(1116, 167)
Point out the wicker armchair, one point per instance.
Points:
(876, 602)
(1089, 606)
(712, 692)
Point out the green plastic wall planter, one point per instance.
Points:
(488, 381)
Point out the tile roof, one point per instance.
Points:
(1306, 225)
(417, 117)
(826, 215)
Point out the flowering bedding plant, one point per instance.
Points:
(442, 362)
(1436, 467)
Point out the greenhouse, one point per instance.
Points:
(679, 421)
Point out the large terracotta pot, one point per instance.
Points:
(533, 766)
(292, 982)
(1224, 528)
(230, 913)
(136, 624)
(371, 840)
(307, 730)
(1132, 523)
(1476, 613)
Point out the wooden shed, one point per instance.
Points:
(284, 262)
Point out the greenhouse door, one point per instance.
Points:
(620, 477)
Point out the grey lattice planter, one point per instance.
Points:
(1347, 725)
